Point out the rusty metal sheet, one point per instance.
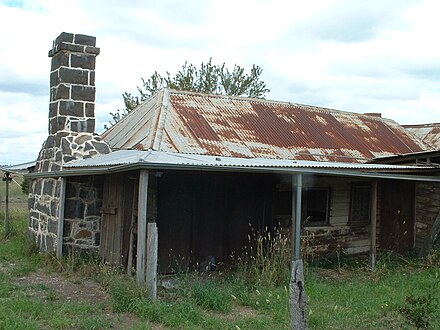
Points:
(428, 133)
(136, 129)
(241, 127)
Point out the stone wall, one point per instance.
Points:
(71, 137)
(82, 214)
(43, 212)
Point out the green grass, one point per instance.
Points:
(16, 195)
(342, 295)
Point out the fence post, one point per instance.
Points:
(298, 297)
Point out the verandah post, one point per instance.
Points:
(142, 227)
(60, 229)
(373, 225)
(298, 297)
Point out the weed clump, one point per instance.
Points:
(125, 292)
(267, 259)
(211, 295)
(419, 310)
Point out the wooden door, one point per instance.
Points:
(397, 215)
(117, 208)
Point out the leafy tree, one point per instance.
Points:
(208, 78)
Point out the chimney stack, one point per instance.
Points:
(72, 84)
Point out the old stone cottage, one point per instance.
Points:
(207, 170)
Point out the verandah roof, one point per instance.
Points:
(125, 160)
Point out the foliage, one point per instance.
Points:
(25, 186)
(124, 292)
(267, 260)
(420, 309)
(346, 296)
(208, 78)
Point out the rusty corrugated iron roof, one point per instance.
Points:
(125, 157)
(194, 123)
(428, 133)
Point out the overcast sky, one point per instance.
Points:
(361, 56)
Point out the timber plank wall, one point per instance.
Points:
(427, 213)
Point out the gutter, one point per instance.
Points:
(239, 169)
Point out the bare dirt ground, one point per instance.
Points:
(74, 290)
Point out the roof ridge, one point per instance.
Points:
(287, 103)
(161, 118)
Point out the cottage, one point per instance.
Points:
(203, 172)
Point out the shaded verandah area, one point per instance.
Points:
(205, 212)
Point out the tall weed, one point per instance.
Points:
(267, 259)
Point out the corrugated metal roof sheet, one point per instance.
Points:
(124, 157)
(428, 133)
(18, 168)
(194, 123)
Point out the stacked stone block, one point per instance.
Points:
(71, 130)
(82, 215)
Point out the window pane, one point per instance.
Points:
(360, 203)
(316, 205)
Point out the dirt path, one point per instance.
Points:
(56, 287)
(67, 290)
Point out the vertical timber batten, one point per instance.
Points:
(373, 224)
(142, 227)
(6, 178)
(293, 219)
(296, 207)
(60, 229)
(152, 244)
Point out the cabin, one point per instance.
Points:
(186, 179)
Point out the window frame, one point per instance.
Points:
(304, 203)
(356, 186)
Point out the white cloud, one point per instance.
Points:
(351, 55)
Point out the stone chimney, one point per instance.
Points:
(72, 84)
(71, 104)
(71, 134)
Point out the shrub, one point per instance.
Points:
(421, 309)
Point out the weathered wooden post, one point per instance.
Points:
(7, 178)
(152, 244)
(373, 225)
(298, 297)
(60, 229)
(142, 227)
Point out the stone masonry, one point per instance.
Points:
(71, 133)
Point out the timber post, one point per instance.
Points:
(7, 178)
(298, 212)
(298, 296)
(293, 220)
(373, 225)
(60, 229)
(142, 227)
(152, 244)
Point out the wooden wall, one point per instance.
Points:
(212, 214)
(203, 215)
(427, 214)
(339, 235)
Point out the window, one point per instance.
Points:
(316, 206)
(360, 208)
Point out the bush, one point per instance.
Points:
(420, 310)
